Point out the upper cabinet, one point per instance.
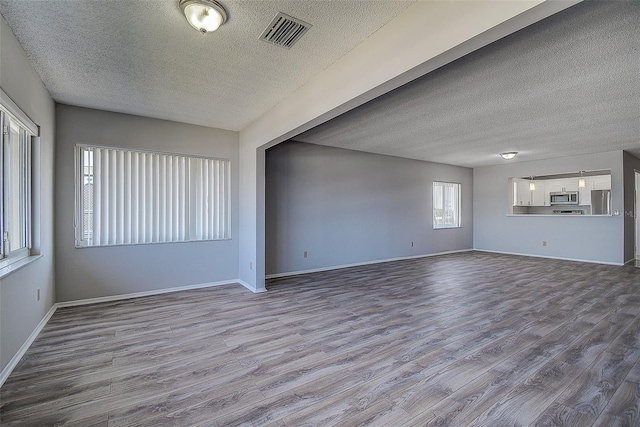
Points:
(521, 196)
(530, 193)
(601, 182)
(562, 184)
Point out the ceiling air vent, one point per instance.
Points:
(284, 30)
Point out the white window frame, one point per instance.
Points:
(438, 219)
(12, 116)
(205, 207)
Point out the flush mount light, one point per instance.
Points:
(509, 155)
(204, 15)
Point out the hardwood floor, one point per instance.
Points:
(462, 339)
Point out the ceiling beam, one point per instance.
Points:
(426, 36)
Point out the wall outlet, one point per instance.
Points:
(38, 294)
(544, 243)
(304, 255)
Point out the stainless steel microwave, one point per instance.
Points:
(564, 198)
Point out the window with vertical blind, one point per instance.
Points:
(446, 205)
(127, 197)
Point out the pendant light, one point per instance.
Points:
(582, 183)
(204, 15)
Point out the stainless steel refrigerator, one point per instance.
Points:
(600, 202)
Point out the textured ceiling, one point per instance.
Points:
(142, 57)
(566, 85)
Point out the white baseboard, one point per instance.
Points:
(144, 294)
(251, 288)
(550, 257)
(23, 349)
(357, 264)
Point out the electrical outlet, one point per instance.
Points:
(304, 255)
(544, 243)
(38, 294)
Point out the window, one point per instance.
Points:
(15, 190)
(446, 205)
(126, 197)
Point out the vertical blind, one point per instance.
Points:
(128, 197)
(446, 205)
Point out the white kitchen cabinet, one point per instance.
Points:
(523, 196)
(571, 184)
(563, 184)
(521, 193)
(601, 182)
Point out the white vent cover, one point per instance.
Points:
(284, 30)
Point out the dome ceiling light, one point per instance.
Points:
(204, 15)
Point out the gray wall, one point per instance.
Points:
(599, 239)
(631, 164)
(20, 312)
(104, 271)
(345, 207)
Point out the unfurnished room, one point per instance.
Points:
(319, 213)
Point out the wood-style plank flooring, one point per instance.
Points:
(462, 339)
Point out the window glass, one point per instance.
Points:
(446, 205)
(16, 190)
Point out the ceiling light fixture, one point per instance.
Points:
(204, 15)
(532, 185)
(509, 155)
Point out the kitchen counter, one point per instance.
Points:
(549, 210)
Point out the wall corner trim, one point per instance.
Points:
(23, 349)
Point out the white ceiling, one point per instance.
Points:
(142, 57)
(566, 85)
